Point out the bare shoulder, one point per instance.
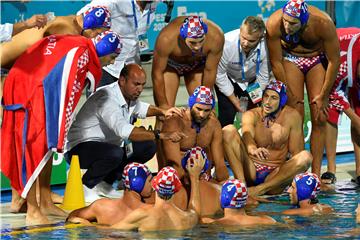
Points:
(274, 22)
(62, 25)
(215, 36)
(173, 124)
(321, 22)
(214, 122)
(169, 34)
(292, 114)
(251, 115)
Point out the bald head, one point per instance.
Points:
(132, 81)
(132, 70)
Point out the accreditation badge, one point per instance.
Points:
(143, 42)
(129, 148)
(255, 92)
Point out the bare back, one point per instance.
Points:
(109, 211)
(246, 220)
(157, 218)
(10, 51)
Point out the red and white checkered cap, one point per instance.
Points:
(293, 8)
(233, 194)
(128, 167)
(166, 182)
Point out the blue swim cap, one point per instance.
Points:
(297, 9)
(307, 186)
(96, 17)
(233, 194)
(134, 176)
(203, 96)
(107, 43)
(193, 27)
(280, 88)
(194, 153)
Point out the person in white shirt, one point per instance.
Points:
(243, 71)
(130, 19)
(103, 134)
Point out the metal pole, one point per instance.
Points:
(330, 9)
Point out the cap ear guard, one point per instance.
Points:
(204, 25)
(184, 28)
(283, 96)
(96, 17)
(107, 43)
(226, 198)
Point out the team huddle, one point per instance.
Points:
(209, 170)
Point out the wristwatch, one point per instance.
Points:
(157, 133)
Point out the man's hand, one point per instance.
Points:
(174, 111)
(194, 166)
(236, 102)
(260, 153)
(173, 136)
(38, 20)
(321, 105)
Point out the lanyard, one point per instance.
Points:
(241, 61)
(135, 18)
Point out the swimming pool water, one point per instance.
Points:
(339, 225)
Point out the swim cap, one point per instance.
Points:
(193, 27)
(194, 153)
(280, 88)
(307, 186)
(166, 182)
(96, 17)
(107, 43)
(203, 96)
(297, 9)
(134, 176)
(233, 194)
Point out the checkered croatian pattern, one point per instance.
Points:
(195, 28)
(294, 7)
(309, 179)
(128, 167)
(304, 63)
(263, 168)
(194, 154)
(275, 85)
(204, 96)
(239, 198)
(107, 20)
(166, 182)
(82, 62)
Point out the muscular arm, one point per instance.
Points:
(86, 213)
(155, 111)
(212, 61)
(131, 221)
(248, 130)
(296, 140)
(161, 55)
(332, 50)
(275, 52)
(218, 154)
(172, 152)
